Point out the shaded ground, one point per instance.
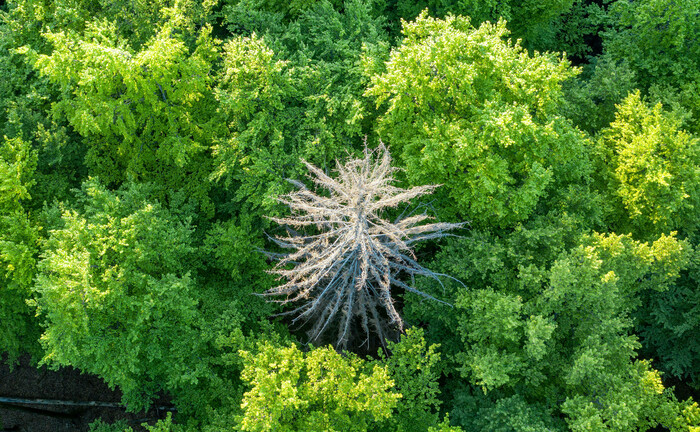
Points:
(66, 384)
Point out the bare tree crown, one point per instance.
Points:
(341, 276)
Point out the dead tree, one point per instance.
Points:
(343, 271)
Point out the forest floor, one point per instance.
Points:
(25, 381)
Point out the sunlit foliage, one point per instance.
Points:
(146, 149)
(471, 110)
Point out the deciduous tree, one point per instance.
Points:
(116, 293)
(477, 113)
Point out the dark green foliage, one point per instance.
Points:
(591, 101)
(576, 30)
(657, 37)
(659, 41)
(536, 22)
(668, 324)
(295, 93)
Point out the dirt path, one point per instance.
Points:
(66, 384)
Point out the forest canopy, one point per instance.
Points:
(361, 215)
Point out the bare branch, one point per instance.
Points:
(346, 269)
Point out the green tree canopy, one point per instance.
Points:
(472, 111)
(115, 284)
(19, 246)
(651, 168)
(315, 391)
(145, 115)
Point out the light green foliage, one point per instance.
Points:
(19, 236)
(503, 341)
(114, 287)
(316, 391)
(193, 115)
(573, 339)
(119, 426)
(294, 93)
(16, 74)
(101, 29)
(122, 426)
(250, 93)
(476, 113)
(629, 403)
(135, 20)
(24, 99)
(658, 38)
(652, 169)
(546, 321)
(144, 114)
(688, 418)
(414, 368)
(411, 372)
(648, 159)
(27, 139)
(17, 165)
(445, 427)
